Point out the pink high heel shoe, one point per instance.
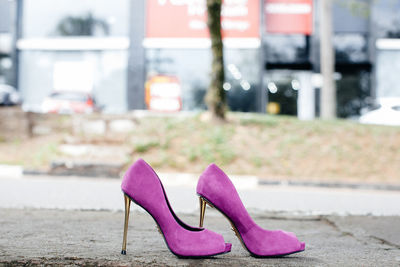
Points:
(142, 185)
(216, 189)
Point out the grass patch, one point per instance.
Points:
(259, 120)
(144, 147)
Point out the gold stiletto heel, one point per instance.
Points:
(127, 208)
(202, 210)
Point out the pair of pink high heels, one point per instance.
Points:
(142, 185)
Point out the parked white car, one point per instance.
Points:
(388, 113)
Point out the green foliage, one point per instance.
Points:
(145, 146)
(213, 146)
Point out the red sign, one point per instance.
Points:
(188, 19)
(289, 16)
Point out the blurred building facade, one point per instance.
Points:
(5, 42)
(111, 48)
(74, 45)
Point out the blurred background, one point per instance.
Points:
(110, 81)
(108, 51)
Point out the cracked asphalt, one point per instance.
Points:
(83, 237)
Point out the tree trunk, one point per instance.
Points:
(215, 97)
(327, 55)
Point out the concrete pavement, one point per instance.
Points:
(61, 237)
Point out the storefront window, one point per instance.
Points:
(282, 87)
(104, 76)
(242, 72)
(351, 48)
(286, 48)
(192, 68)
(353, 93)
(386, 20)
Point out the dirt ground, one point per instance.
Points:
(270, 147)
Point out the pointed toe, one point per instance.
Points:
(302, 246)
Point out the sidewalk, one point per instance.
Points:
(76, 193)
(60, 237)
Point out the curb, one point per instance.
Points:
(185, 179)
(87, 169)
(14, 171)
(333, 185)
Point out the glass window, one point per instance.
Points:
(351, 48)
(386, 19)
(5, 16)
(55, 18)
(103, 75)
(351, 16)
(286, 48)
(192, 68)
(282, 87)
(353, 93)
(242, 72)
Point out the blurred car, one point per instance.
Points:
(69, 103)
(9, 95)
(387, 113)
